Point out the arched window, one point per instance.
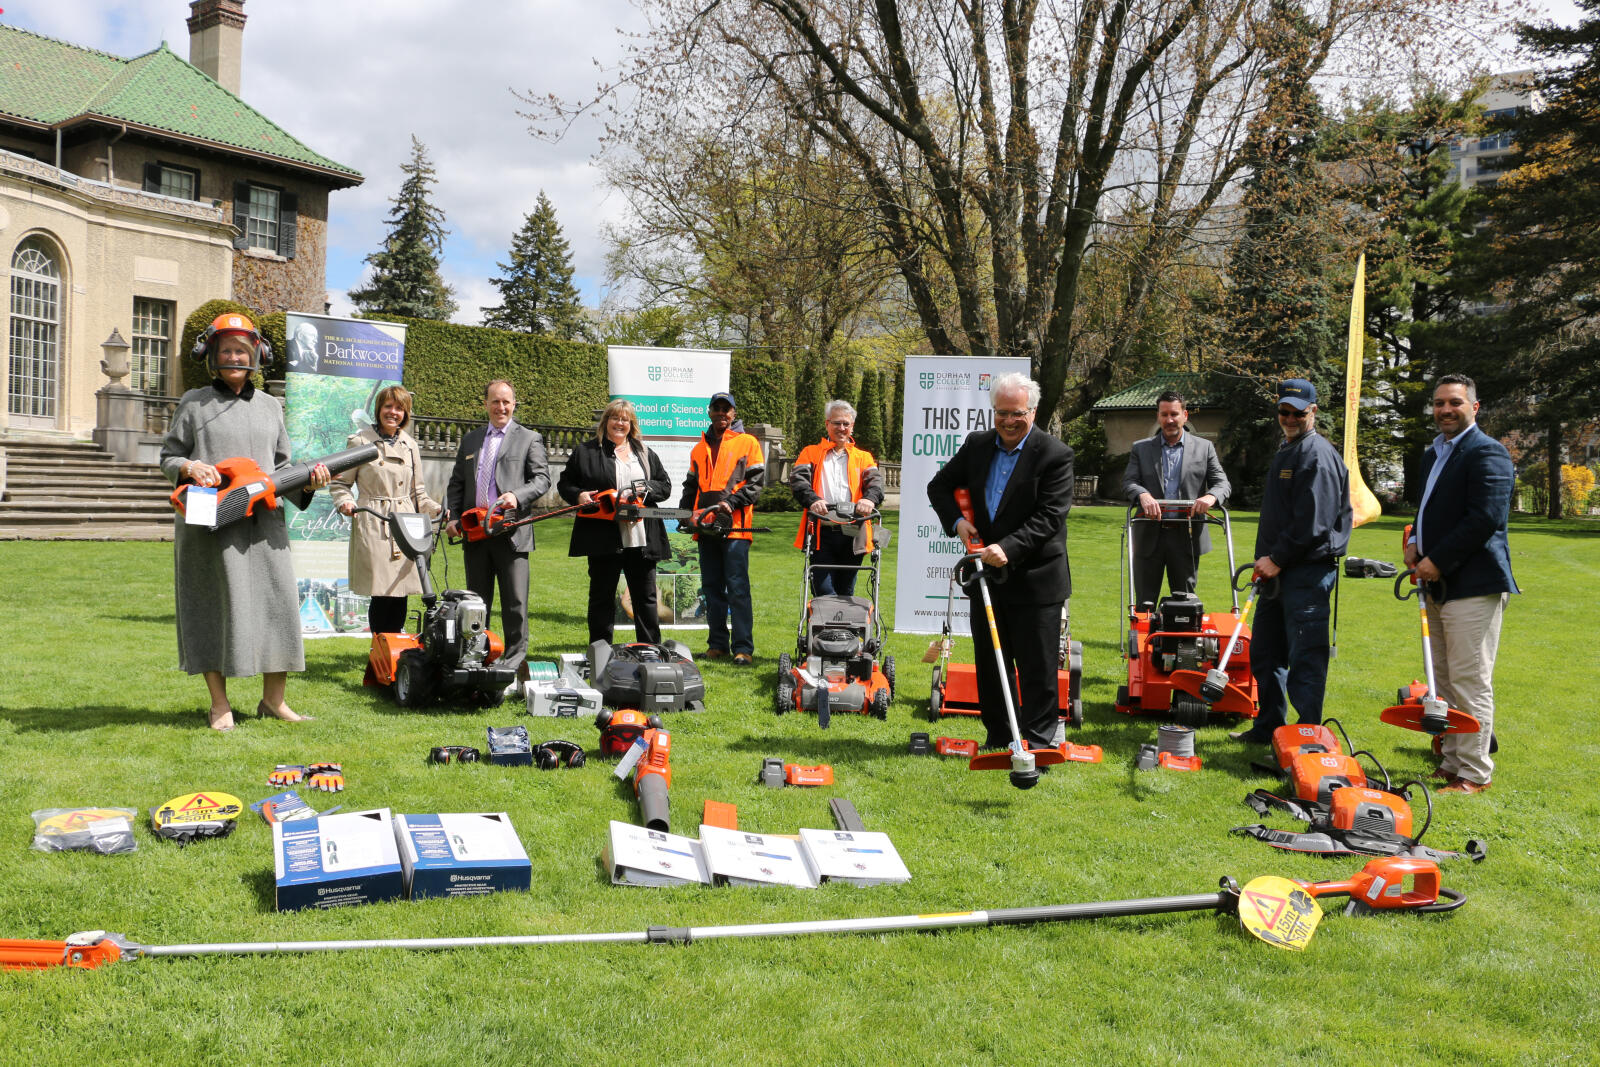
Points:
(35, 334)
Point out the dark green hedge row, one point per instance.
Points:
(561, 383)
(765, 392)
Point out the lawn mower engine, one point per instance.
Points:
(648, 677)
(1179, 643)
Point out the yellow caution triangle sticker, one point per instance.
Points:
(1279, 912)
(197, 807)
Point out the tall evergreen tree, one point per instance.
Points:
(1538, 252)
(846, 382)
(536, 292)
(869, 417)
(897, 403)
(810, 398)
(405, 272)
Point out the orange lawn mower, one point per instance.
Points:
(955, 685)
(838, 665)
(453, 653)
(1173, 648)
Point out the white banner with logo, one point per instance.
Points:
(670, 389)
(947, 398)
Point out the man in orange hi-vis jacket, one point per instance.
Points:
(826, 475)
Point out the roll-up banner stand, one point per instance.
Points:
(947, 398)
(670, 389)
(335, 369)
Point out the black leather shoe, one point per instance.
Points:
(1250, 737)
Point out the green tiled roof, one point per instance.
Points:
(1141, 396)
(52, 83)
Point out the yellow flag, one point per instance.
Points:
(1362, 502)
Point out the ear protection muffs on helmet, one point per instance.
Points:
(205, 346)
(552, 755)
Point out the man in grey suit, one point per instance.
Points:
(502, 465)
(1173, 464)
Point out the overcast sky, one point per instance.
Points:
(354, 80)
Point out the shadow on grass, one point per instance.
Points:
(168, 619)
(825, 744)
(262, 883)
(60, 719)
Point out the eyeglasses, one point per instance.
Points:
(1290, 413)
(1000, 413)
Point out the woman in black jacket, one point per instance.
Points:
(617, 459)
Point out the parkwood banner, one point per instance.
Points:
(947, 398)
(670, 389)
(336, 367)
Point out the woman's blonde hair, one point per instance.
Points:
(392, 394)
(620, 407)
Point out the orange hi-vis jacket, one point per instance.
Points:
(737, 477)
(805, 482)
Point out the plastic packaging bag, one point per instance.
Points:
(103, 830)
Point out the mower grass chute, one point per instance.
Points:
(453, 654)
(1172, 647)
(838, 665)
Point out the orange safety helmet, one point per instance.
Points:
(205, 346)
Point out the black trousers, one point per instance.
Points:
(386, 614)
(641, 573)
(835, 548)
(497, 562)
(1030, 642)
(1176, 554)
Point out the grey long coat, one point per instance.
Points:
(392, 482)
(238, 608)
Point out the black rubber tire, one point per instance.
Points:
(1133, 643)
(1189, 711)
(785, 697)
(413, 688)
(1075, 715)
(880, 705)
(935, 703)
(888, 672)
(492, 699)
(1122, 696)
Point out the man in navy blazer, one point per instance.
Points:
(519, 476)
(1173, 464)
(1020, 478)
(1458, 545)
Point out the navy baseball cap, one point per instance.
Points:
(1297, 393)
(725, 397)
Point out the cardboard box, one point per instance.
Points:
(566, 697)
(333, 860)
(460, 855)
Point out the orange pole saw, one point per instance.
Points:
(244, 484)
(1265, 906)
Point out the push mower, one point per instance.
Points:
(647, 677)
(1178, 637)
(839, 640)
(1344, 810)
(453, 653)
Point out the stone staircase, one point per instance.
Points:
(63, 489)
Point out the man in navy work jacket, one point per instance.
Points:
(1304, 529)
(1020, 478)
(1458, 544)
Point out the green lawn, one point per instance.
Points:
(93, 711)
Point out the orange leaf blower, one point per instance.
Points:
(244, 485)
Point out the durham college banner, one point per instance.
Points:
(670, 389)
(336, 368)
(947, 398)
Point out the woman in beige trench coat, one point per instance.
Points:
(392, 482)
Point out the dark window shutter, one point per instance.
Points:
(241, 208)
(152, 177)
(288, 220)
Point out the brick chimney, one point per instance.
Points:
(216, 40)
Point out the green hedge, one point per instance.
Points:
(562, 383)
(765, 392)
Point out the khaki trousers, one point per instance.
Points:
(1465, 636)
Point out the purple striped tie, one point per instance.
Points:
(486, 457)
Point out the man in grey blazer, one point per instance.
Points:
(1173, 464)
(501, 464)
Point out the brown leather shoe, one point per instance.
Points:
(1444, 775)
(743, 659)
(715, 653)
(1465, 785)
